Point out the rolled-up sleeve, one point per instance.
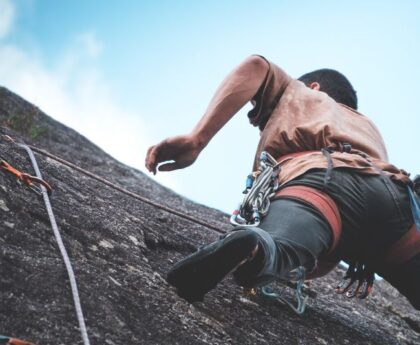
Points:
(268, 95)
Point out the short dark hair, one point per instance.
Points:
(335, 84)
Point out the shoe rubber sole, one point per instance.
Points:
(200, 272)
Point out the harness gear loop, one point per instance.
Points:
(27, 179)
(260, 187)
(415, 206)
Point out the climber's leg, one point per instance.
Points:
(406, 279)
(293, 234)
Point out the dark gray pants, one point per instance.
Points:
(375, 213)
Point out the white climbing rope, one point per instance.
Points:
(63, 250)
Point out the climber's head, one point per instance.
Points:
(332, 82)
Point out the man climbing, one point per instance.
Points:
(339, 198)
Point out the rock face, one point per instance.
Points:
(121, 247)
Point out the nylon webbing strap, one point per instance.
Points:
(415, 207)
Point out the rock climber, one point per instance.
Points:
(339, 197)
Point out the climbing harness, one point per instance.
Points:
(260, 187)
(13, 341)
(29, 180)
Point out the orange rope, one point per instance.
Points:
(120, 189)
(125, 191)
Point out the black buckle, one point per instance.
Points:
(347, 147)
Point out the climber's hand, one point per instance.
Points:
(175, 153)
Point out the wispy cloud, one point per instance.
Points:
(7, 13)
(74, 91)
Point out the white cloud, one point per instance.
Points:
(75, 92)
(7, 14)
(92, 46)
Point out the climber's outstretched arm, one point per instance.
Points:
(239, 87)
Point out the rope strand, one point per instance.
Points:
(63, 251)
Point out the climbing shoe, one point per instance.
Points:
(200, 272)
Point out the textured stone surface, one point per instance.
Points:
(121, 248)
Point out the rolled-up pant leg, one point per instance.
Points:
(293, 234)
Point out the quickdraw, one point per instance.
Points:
(260, 187)
(29, 180)
(13, 341)
(296, 281)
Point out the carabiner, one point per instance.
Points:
(13, 341)
(27, 179)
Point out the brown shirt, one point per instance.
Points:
(294, 118)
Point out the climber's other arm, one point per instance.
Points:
(239, 87)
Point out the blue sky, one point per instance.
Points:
(127, 74)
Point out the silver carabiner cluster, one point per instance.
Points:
(260, 187)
